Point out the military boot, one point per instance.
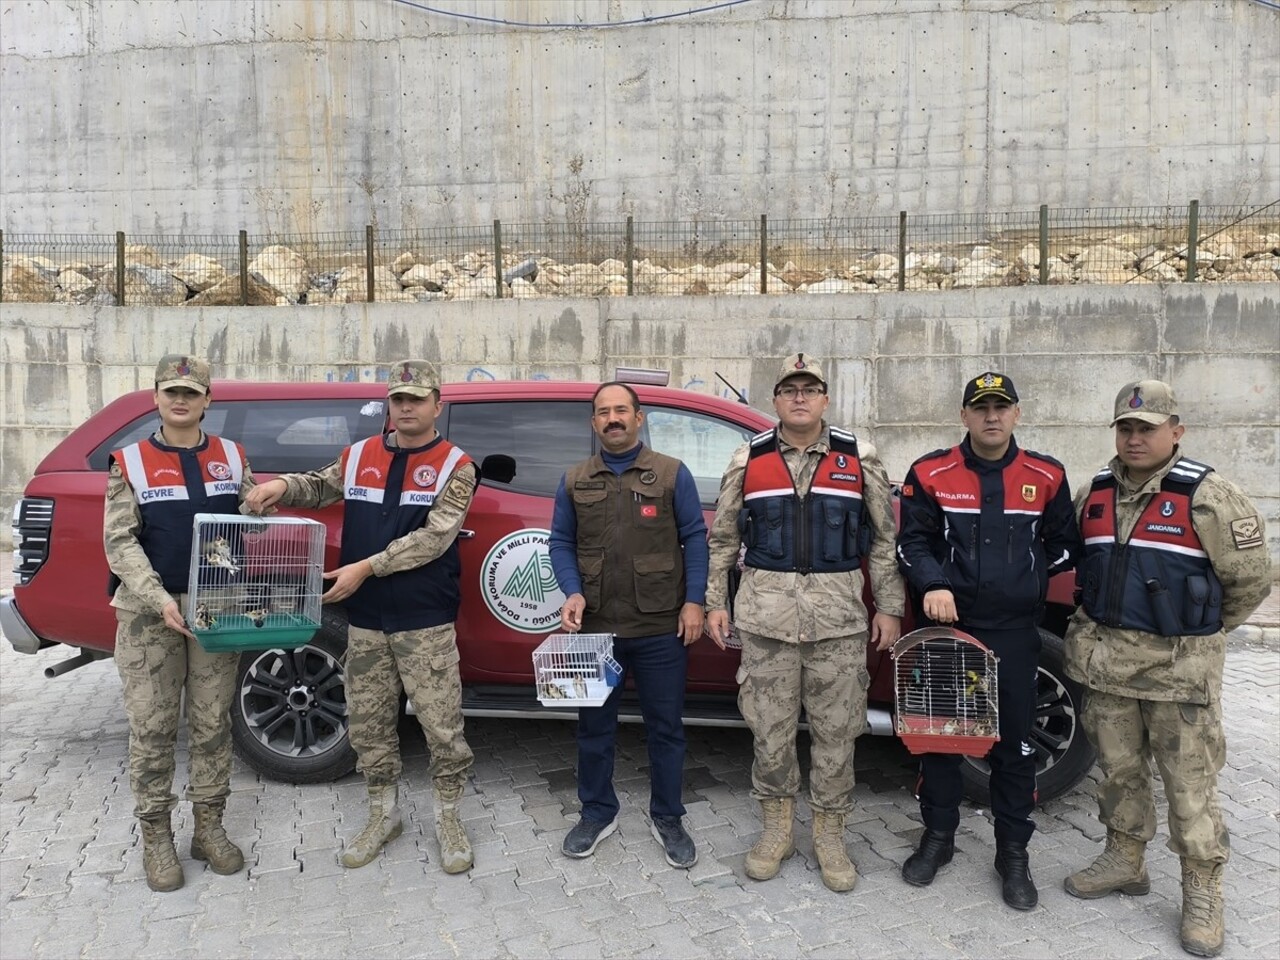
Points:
(1121, 866)
(384, 826)
(838, 872)
(455, 848)
(936, 850)
(159, 858)
(1202, 925)
(210, 842)
(776, 843)
(1013, 863)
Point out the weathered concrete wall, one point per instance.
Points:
(299, 115)
(896, 361)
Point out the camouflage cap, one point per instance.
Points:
(797, 364)
(175, 370)
(414, 377)
(1151, 401)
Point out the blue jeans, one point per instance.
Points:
(659, 665)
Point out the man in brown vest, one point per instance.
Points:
(629, 549)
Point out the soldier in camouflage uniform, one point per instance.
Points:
(154, 489)
(810, 502)
(399, 583)
(1175, 558)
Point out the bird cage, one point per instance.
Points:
(255, 582)
(575, 669)
(945, 692)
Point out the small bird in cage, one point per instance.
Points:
(580, 688)
(258, 616)
(218, 553)
(551, 690)
(976, 683)
(983, 728)
(202, 619)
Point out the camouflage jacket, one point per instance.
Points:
(140, 589)
(795, 607)
(1188, 669)
(320, 488)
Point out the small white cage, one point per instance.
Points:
(255, 582)
(945, 692)
(575, 669)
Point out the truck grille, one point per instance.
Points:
(32, 521)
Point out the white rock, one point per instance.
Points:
(199, 272)
(469, 289)
(613, 266)
(882, 261)
(732, 271)
(141, 253)
(744, 286)
(284, 269)
(522, 289)
(403, 262)
(25, 282)
(1030, 255)
(72, 281)
(829, 286)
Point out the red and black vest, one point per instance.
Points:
(388, 492)
(1161, 580)
(171, 485)
(823, 531)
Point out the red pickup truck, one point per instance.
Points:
(289, 715)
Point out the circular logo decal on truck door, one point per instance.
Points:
(518, 585)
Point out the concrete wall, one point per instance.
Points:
(300, 115)
(896, 361)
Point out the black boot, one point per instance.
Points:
(936, 849)
(1014, 866)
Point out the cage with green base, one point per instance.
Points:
(255, 582)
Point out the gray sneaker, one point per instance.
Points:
(585, 836)
(676, 842)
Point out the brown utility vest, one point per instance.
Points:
(629, 551)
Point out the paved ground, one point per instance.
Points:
(71, 880)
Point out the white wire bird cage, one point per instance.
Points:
(945, 696)
(575, 669)
(255, 582)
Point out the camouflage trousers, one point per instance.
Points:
(829, 678)
(1189, 748)
(424, 664)
(155, 663)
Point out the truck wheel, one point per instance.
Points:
(1063, 752)
(289, 716)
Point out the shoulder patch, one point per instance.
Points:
(457, 493)
(1246, 532)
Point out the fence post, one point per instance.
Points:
(1044, 244)
(1, 266)
(902, 249)
(764, 253)
(497, 259)
(631, 258)
(368, 262)
(1193, 238)
(120, 268)
(244, 268)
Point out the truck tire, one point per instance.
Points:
(289, 715)
(1063, 752)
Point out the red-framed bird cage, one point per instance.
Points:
(945, 692)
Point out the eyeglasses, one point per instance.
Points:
(790, 392)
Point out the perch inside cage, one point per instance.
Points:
(945, 692)
(575, 669)
(255, 582)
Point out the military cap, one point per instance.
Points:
(1151, 401)
(989, 384)
(175, 370)
(797, 364)
(414, 377)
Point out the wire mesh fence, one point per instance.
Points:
(1109, 245)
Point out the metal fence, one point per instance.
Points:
(1114, 245)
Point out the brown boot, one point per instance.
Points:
(210, 842)
(159, 858)
(455, 848)
(1121, 866)
(776, 843)
(384, 825)
(1203, 929)
(838, 872)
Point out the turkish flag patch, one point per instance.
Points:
(648, 510)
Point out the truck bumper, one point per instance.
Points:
(15, 629)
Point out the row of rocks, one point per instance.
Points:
(281, 275)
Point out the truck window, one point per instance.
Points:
(703, 442)
(544, 436)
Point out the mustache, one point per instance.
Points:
(615, 423)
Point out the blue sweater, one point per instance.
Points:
(692, 531)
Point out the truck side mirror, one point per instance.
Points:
(498, 467)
